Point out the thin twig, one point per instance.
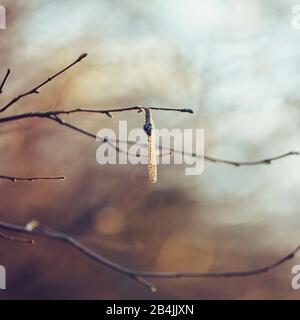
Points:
(35, 90)
(252, 163)
(15, 239)
(30, 179)
(115, 110)
(140, 276)
(4, 80)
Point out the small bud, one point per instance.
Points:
(187, 110)
(30, 226)
(82, 56)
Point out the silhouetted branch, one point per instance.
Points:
(252, 163)
(141, 276)
(35, 89)
(30, 179)
(4, 80)
(19, 97)
(114, 110)
(47, 114)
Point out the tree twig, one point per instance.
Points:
(16, 239)
(252, 163)
(45, 114)
(141, 276)
(35, 90)
(4, 80)
(115, 110)
(29, 179)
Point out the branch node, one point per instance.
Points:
(109, 114)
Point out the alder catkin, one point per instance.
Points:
(149, 129)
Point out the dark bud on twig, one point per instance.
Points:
(187, 110)
(82, 56)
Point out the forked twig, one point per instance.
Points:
(35, 90)
(19, 97)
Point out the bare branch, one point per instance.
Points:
(30, 179)
(140, 276)
(115, 110)
(46, 114)
(4, 80)
(35, 90)
(53, 115)
(218, 160)
(252, 163)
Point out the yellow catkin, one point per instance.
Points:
(152, 165)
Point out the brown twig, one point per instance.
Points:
(252, 163)
(4, 80)
(47, 114)
(115, 110)
(141, 276)
(30, 179)
(15, 239)
(35, 90)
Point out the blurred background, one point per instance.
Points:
(236, 63)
